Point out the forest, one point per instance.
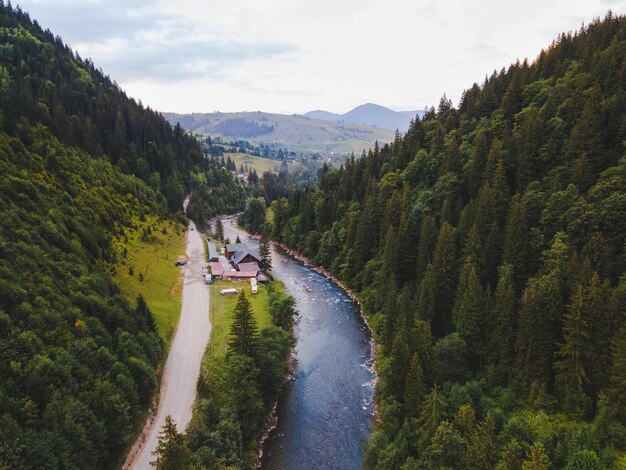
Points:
(80, 164)
(236, 391)
(488, 247)
(243, 128)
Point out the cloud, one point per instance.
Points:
(187, 59)
(139, 40)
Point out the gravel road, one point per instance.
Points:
(178, 384)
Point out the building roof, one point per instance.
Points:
(248, 267)
(213, 253)
(232, 247)
(244, 274)
(240, 255)
(217, 269)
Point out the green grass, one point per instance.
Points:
(148, 268)
(221, 311)
(259, 163)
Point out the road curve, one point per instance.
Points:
(180, 376)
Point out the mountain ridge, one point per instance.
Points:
(370, 114)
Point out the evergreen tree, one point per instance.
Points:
(266, 255)
(571, 377)
(503, 313)
(171, 452)
(540, 310)
(431, 414)
(536, 459)
(469, 309)
(219, 230)
(243, 330)
(481, 451)
(414, 389)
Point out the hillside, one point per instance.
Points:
(371, 114)
(488, 247)
(296, 133)
(84, 169)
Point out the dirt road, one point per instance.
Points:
(178, 384)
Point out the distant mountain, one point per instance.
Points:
(323, 115)
(370, 114)
(303, 134)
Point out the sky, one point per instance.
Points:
(294, 56)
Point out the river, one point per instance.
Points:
(325, 414)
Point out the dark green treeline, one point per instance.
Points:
(80, 163)
(488, 247)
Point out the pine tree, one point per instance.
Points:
(470, 309)
(515, 250)
(266, 256)
(414, 389)
(571, 376)
(503, 313)
(219, 230)
(431, 414)
(171, 452)
(482, 448)
(536, 459)
(427, 241)
(243, 331)
(539, 314)
(444, 269)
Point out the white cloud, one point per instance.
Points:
(293, 56)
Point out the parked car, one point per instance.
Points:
(229, 291)
(208, 279)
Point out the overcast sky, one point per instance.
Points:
(293, 56)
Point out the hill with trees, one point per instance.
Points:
(488, 247)
(299, 134)
(82, 166)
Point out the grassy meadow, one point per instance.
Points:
(145, 266)
(221, 311)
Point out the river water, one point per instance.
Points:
(325, 414)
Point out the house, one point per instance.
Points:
(232, 248)
(213, 253)
(248, 267)
(217, 270)
(245, 256)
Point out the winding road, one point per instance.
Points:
(180, 376)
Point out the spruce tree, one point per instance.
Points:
(219, 230)
(503, 313)
(171, 452)
(536, 459)
(571, 376)
(265, 255)
(414, 389)
(470, 308)
(481, 451)
(243, 330)
(431, 414)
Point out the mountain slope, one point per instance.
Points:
(488, 247)
(370, 114)
(82, 167)
(323, 115)
(379, 116)
(296, 133)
